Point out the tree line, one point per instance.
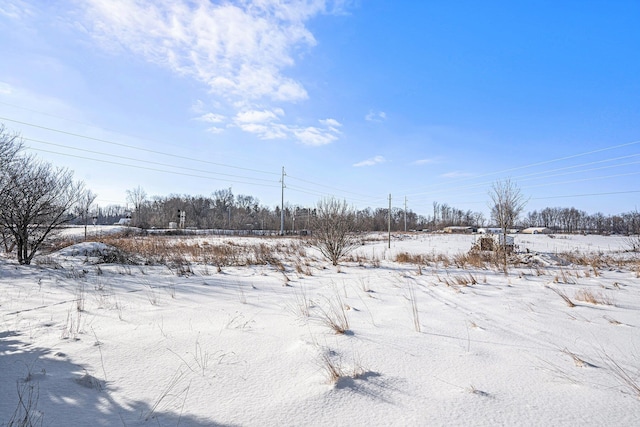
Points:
(224, 210)
(37, 197)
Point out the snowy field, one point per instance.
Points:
(87, 340)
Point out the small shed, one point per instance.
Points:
(493, 242)
(536, 230)
(489, 230)
(459, 229)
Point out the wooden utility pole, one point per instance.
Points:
(405, 214)
(389, 221)
(282, 205)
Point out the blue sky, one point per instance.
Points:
(428, 100)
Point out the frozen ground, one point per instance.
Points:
(88, 343)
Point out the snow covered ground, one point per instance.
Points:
(90, 343)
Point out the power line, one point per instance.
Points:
(587, 195)
(173, 155)
(138, 160)
(330, 188)
(151, 169)
(613, 147)
(545, 174)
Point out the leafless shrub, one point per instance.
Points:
(334, 230)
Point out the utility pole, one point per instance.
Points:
(282, 205)
(405, 214)
(389, 221)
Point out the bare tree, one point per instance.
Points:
(84, 206)
(137, 197)
(507, 202)
(10, 146)
(37, 199)
(333, 229)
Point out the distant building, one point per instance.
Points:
(489, 230)
(493, 242)
(458, 229)
(536, 230)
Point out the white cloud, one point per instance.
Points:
(266, 131)
(258, 116)
(239, 49)
(266, 125)
(215, 130)
(315, 136)
(370, 162)
(332, 124)
(212, 118)
(376, 116)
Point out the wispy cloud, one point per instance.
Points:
(5, 88)
(239, 49)
(376, 116)
(456, 174)
(16, 9)
(427, 161)
(212, 118)
(370, 162)
(215, 130)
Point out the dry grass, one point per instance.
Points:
(563, 277)
(564, 296)
(629, 380)
(578, 361)
(415, 314)
(419, 259)
(332, 365)
(335, 315)
(178, 253)
(593, 298)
